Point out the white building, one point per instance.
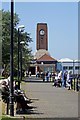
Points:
(69, 65)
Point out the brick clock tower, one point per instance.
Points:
(42, 36)
(41, 40)
(44, 62)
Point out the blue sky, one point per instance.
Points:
(62, 22)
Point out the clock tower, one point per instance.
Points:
(42, 36)
(43, 62)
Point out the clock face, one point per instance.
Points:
(42, 32)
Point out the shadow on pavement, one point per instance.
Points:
(34, 99)
(28, 112)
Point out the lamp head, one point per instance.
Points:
(21, 27)
(22, 42)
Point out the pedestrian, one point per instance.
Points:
(43, 76)
(53, 76)
(60, 79)
(29, 74)
(64, 78)
(55, 80)
(69, 80)
(47, 76)
(50, 75)
(37, 74)
(25, 73)
(5, 91)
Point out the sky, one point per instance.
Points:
(62, 23)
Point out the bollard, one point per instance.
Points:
(71, 83)
(74, 83)
(77, 89)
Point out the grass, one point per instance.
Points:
(7, 118)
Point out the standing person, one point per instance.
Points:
(5, 92)
(55, 83)
(30, 74)
(43, 76)
(37, 74)
(53, 76)
(69, 80)
(65, 78)
(50, 75)
(25, 74)
(47, 76)
(60, 79)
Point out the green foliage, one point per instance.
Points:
(8, 118)
(6, 20)
(27, 56)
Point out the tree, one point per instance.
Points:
(6, 20)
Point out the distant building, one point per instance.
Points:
(69, 65)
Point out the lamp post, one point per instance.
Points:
(11, 62)
(20, 29)
(21, 43)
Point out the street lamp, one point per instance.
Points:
(20, 29)
(21, 43)
(11, 102)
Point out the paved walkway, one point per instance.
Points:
(51, 102)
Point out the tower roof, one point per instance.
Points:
(41, 23)
(40, 53)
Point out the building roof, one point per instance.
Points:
(65, 60)
(76, 60)
(46, 57)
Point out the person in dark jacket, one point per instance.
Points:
(5, 91)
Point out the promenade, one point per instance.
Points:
(51, 102)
